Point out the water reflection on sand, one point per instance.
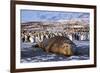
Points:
(31, 55)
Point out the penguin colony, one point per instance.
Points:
(36, 37)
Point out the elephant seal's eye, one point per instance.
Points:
(66, 45)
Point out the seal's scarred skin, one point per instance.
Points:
(58, 44)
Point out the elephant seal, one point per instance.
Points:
(58, 44)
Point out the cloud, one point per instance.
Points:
(37, 15)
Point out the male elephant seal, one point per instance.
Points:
(58, 44)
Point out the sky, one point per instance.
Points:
(37, 15)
